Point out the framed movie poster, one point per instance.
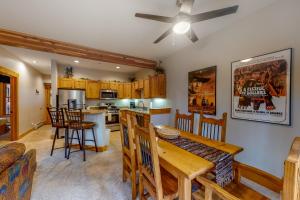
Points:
(202, 91)
(261, 88)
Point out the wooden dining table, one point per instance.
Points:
(186, 166)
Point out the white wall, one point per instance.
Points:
(274, 28)
(30, 104)
(95, 74)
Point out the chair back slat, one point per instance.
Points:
(291, 179)
(57, 117)
(214, 129)
(184, 122)
(75, 118)
(124, 134)
(148, 158)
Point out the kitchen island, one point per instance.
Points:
(98, 117)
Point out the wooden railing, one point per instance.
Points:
(291, 180)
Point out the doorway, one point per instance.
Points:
(8, 104)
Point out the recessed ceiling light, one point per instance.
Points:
(246, 60)
(34, 61)
(76, 61)
(182, 27)
(118, 67)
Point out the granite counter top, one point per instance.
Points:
(151, 111)
(94, 112)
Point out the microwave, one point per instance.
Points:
(108, 94)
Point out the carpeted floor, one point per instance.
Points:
(56, 178)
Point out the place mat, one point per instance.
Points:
(223, 161)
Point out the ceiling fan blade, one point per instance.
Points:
(213, 14)
(155, 17)
(185, 6)
(192, 36)
(163, 36)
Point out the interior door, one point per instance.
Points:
(14, 119)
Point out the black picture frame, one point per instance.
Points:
(212, 69)
(288, 122)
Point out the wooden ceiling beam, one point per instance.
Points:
(16, 39)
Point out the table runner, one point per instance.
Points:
(223, 161)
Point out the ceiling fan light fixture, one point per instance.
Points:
(181, 27)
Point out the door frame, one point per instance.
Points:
(14, 106)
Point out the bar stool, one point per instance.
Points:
(58, 122)
(76, 123)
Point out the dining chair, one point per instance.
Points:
(128, 151)
(58, 122)
(184, 122)
(76, 123)
(211, 128)
(158, 183)
(288, 187)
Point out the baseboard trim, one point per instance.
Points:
(29, 131)
(91, 147)
(26, 133)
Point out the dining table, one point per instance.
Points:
(186, 166)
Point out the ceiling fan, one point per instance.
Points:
(181, 23)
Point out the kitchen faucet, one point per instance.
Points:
(142, 104)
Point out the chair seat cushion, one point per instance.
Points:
(10, 153)
(169, 184)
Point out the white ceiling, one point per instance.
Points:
(43, 61)
(110, 25)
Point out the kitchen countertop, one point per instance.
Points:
(151, 111)
(93, 112)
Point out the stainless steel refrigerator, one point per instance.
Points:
(71, 99)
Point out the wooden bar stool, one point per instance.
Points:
(128, 151)
(76, 123)
(58, 122)
(184, 122)
(214, 129)
(158, 183)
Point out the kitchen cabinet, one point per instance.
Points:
(92, 90)
(120, 88)
(135, 94)
(146, 88)
(66, 83)
(158, 86)
(127, 90)
(140, 84)
(79, 84)
(113, 85)
(104, 85)
(135, 85)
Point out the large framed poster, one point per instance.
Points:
(202, 91)
(261, 88)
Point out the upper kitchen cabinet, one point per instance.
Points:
(157, 86)
(104, 85)
(140, 84)
(108, 85)
(92, 90)
(146, 87)
(113, 85)
(127, 90)
(80, 84)
(66, 83)
(120, 89)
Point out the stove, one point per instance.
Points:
(112, 117)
